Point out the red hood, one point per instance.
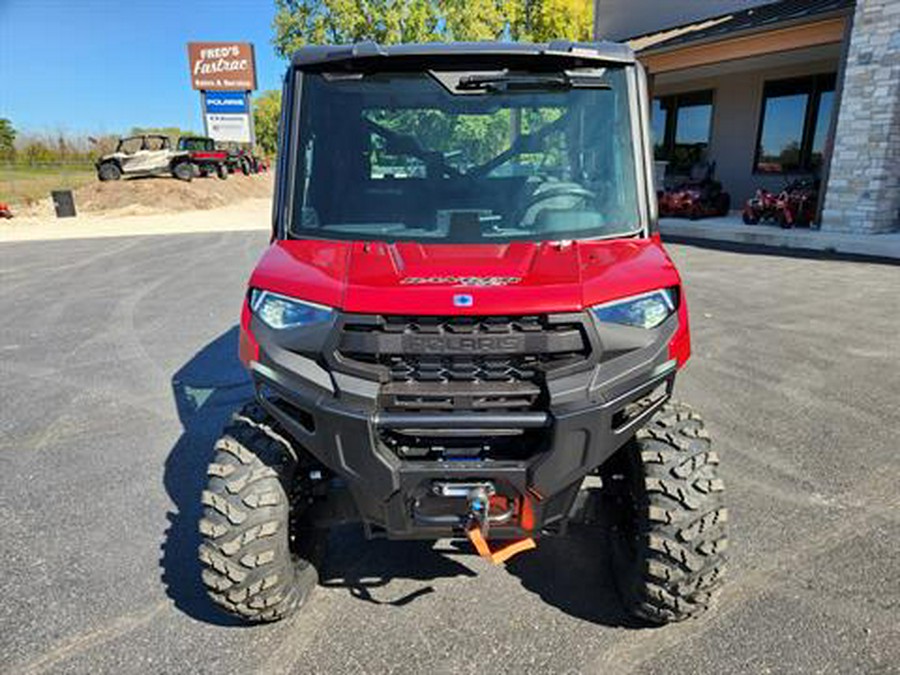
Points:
(412, 278)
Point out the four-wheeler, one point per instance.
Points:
(147, 155)
(465, 326)
(241, 159)
(205, 156)
(794, 205)
(700, 196)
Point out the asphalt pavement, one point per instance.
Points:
(118, 366)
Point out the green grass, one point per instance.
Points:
(22, 185)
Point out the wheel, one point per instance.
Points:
(109, 171)
(245, 167)
(252, 562)
(751, 217)
(183, 171)
(785, 221)
(221, 172)
(669, 539)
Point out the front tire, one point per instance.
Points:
(668, 546)
(183, 171)
(109, 171)
(250, 563)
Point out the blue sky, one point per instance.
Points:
(104, 66)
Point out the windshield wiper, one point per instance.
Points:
(494, 82)
(500, 82)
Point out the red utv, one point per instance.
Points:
(701, 196)
(205, 157)
(465, 326)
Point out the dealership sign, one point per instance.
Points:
(222, 66)
(227, 116)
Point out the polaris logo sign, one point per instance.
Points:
(227, 102)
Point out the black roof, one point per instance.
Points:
(760, 17)
(314, 55)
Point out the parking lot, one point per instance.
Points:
(118, 366)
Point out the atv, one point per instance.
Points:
(149, 155)
(794, 205)
(205, 156)
(241, 159)
(701, 196)
(465, 326)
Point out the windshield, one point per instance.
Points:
(195, 144)
(465, 157)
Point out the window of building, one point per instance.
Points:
(796, 115)
(681, 127)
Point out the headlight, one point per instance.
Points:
(279, 311)
(647, 310)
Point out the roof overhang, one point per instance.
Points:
(758, 41)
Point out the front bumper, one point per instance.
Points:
(590, 414)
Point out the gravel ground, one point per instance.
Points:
(246, 214)
(117, 363)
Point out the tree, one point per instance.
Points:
(7, 139)
(266, 112)
(300, 22)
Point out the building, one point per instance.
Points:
(773, 91)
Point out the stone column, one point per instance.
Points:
(863, 191)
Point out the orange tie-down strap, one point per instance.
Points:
(503, 553)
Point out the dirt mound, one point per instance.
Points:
(140, 196)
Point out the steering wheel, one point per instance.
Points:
(552, 192)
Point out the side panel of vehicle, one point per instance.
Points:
(146, 161)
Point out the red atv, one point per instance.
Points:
(204, 155)
(794, 205)
(461, 328)
(699, 197)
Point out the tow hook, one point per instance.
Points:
(480, 517)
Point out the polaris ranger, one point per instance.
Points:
(147, 155)
(465, 327)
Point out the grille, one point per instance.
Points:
(462, 363)
(457, 368)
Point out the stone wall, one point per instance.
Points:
(863, 192)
